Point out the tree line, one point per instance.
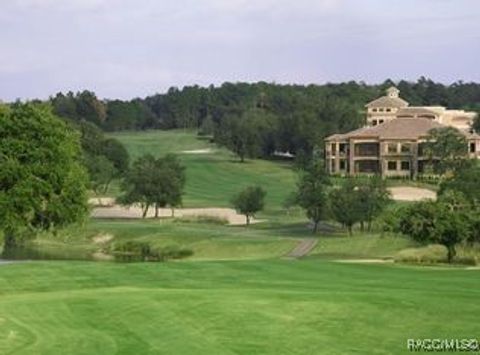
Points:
(255, 120)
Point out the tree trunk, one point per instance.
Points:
(156, 211)
(362, 226)
(350, 230)
(145, 211)
(173, 212)
(9, 242)
(451, 252)
(248, 219)
(315, 226)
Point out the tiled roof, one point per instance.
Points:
(399, 128)
(415, 111)
(386, 101)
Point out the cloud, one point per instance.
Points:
(132, 47)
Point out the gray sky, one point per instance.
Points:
(130, 48)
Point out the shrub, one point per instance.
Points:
(142, 251)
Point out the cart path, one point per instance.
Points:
(304, 247)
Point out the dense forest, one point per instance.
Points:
(259, 118)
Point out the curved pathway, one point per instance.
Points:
(303, 248)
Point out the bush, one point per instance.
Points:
(434, 254)
(142, 251)
(431, 254)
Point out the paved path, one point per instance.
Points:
(303, 248)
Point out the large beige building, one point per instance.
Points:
(391, 143)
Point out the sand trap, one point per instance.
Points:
(101, 201)
(364, 261)
(412, 194)
(135, 212)
(102, 238)
(198, 151)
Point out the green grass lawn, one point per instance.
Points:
(212, 179)
(231, 307)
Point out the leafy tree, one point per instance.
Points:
(435, 222)
(312, 192)
(466, 181)
(448, 147)
(154, 182)
(374, 197)
(116, 153)
(249, 201)
(102, 172)
(42, 182)
(171, 182)
(346, 205)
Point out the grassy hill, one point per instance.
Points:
(235, 294)
(212, 178)
(244, 307)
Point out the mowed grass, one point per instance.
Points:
(235, 307)
(212, 178)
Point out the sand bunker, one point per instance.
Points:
(365, 261)
(412, 194)
(135, 212)
(198, 151)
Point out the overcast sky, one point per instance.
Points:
(131, 48)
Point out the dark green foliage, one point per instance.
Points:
(116, 152)
(42, 183)
(101, 172)
(302, 115)
(157, 182)
(346, 204)
(249, 201)
(374, 198)
(448, 148)
(80, 106)
(104, 158)
(311, 192)
(142, 251)
(466, 181)
(436, 222)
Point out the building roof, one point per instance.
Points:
(400, 128)
(386, 101)
(415, 111)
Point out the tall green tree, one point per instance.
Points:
(466, 181)
(312, 192)
(42, 182)
(447, 147)
(346, 205)
(436, 222)
(249, 201)
(374, 197)
(152, 182)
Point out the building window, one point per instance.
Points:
(343, 148)
(380, 110)
(389, 110)
(392, 165)
(406, 148)
(343, 164)
(392, 148)
(374, 110)
(374, 122)
(472, 147)
(380, 122)
(405, 165)
(333, 148)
